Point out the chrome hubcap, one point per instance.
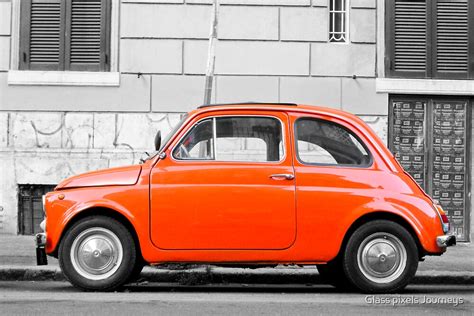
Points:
(96, 253)
(382, 257)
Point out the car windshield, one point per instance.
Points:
(168, 136)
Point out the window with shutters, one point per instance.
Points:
(70, 35)
(430, 39)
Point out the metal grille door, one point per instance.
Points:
(430, 137)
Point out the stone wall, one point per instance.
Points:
(47, 147)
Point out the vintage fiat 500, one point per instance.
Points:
(249, 184)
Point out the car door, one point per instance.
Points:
(228, 183)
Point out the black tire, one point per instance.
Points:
(106, 240)
(380, 257)
(136, 272)
(333, 273)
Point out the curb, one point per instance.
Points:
(216, 275)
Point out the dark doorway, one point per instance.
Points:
(30, 207)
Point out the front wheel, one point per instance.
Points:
(381, 257)
(97, 253)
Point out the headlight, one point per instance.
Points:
(43, 199)
(43, 225)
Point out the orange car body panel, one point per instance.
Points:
(114, 176)
(223, 205)
(211, 211)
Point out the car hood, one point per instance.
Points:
(113, 176)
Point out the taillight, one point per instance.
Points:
(442, 216)
(445, 222)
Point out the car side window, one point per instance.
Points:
(328, 143)
(198, 144)
(254, 139)
(247, 139)
(313, 153)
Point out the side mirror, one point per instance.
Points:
(158, 141)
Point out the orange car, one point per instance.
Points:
(249, 184)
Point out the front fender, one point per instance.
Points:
(55, 235)
(62, 212)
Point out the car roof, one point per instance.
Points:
(245, 103)
(270, 106)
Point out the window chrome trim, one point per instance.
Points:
(214, 137)
(363, 144)
(214, 117)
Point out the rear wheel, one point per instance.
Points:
(380, 257)
(97, 253)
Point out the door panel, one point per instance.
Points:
(223, 205)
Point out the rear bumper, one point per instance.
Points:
(40, 241)
(446, 241)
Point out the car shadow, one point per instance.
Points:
(285, 288)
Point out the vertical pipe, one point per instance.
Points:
(32, 211)
(211, 54)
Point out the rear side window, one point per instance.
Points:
(253, 139)
(326, 143)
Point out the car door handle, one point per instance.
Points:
(282, 176)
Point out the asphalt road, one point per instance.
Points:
(59, 298)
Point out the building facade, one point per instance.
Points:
(85, 85)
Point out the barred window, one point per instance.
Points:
(338, 21)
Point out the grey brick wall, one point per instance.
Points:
(278, 44)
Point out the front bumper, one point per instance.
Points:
(40, 241)
(446, 241)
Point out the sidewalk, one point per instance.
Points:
(18, 262)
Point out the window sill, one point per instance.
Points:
(63, 78)
(425, 86)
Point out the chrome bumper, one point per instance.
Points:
(446, 241)
(40, 241)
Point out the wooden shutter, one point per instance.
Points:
(65, 35)
(42, 35)
(408, 40)
(88, 28)
(451, 39)
(430, 39)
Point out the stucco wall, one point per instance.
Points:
(268, 50)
